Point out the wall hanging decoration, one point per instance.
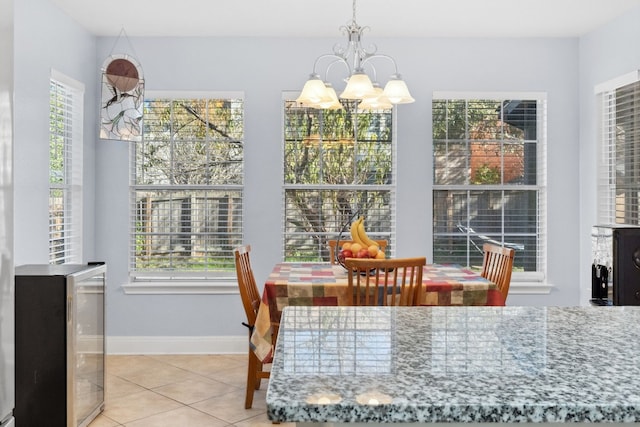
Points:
(121, 108)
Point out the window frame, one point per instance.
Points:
(184, 282)
(71, 184)
(522, 282)
(606, 142)
(290, 96)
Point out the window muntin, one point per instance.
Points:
(65, 169)
(186, 192)
(337, 164)
(489, 179)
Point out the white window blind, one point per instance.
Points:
(65, 169)
(489, 157)
(619, 159)
(338, 165)
(187, 187)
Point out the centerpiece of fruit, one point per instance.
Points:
(361, 245)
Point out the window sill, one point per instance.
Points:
(529, 288)
(180, 288)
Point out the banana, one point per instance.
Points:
(355, 236)
(364, 237)
(354, 229)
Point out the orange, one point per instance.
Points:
(373, 251)
(355, 248)
(380, 255)
(346, 246)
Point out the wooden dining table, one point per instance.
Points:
(324, 284)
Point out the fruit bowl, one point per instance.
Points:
(359, 246)
(338, 252)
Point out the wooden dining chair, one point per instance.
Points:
(251, 302)
(333, 248)
(393, 281)
(497, 265)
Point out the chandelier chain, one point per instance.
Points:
(354, 13)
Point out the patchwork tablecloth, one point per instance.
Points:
(318, 284)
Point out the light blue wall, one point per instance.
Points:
(605, 54)
(7, 287)
(46, 39)
(262, 68)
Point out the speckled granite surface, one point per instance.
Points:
(457, 364)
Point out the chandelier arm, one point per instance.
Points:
(381, 55)
(336, 58)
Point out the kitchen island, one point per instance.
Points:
(456, 365)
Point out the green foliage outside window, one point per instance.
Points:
(485, 157)
(187, 186)
(337, 163)
(486, 174)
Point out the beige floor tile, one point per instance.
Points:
(160, 375)
(127, 366)
(192, 391)
(234, 376)
(230, 407)
(203, 364)
(118, 387)
(138, 405)
(182, 390)
(103, 421)
(182, 417)
(261, 421)
(241, 357)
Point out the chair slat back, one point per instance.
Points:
(247, 283)
(334, 249)
(393, 282)
(497, 265)
(251, 303)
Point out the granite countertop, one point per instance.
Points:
(456, 364)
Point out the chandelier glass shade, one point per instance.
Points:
(359, 63)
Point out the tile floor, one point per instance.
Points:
(181, 391)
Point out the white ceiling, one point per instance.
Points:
(322, 18)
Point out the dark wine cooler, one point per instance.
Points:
(60, 342)
(615, 272)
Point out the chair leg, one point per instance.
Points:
(258, 379)
(252, 379)
(255, 374)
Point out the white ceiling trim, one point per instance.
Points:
(303, 18)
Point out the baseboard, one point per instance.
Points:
(176, 345)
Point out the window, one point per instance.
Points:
(489, 179)
(619, 171)
(65, 169)
(338, 165)
(187, 188)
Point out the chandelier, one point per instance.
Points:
(319, 93)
